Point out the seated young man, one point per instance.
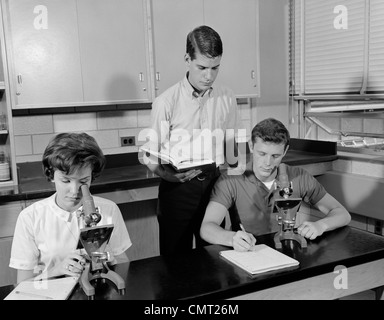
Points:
(251, 194)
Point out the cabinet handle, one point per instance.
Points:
(19, 79)
(253, 74)
(157, 76)
(141, 77)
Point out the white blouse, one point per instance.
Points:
(45, 234)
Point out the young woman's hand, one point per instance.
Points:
(73, 264)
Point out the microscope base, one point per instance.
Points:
(289, 235)
(87, 277)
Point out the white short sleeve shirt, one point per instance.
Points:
(45, 234)
(193, 127)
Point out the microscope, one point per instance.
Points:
(94, 240)
(287, 208)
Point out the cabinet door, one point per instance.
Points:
(172, 21)
(113, 51)
(8, 217)
(44, 49)
(237, 24)
(7, 275)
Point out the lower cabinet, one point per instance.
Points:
(8, 216)
(141, 221)
(138, 207)
(7, 275)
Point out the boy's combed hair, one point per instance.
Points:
(68, 152)
(271, 130)
(204, 40)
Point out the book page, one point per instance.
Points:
(166, 158)
(51, 289)
(262, 259)
(179, 164)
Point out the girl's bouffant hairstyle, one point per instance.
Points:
(68, 152)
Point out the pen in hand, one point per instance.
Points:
(252, 245)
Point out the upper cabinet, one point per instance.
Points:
(8, 170)
(169, 37)
(76, 52)
(114, 58)
(237, 25)
(43, 52)
(98, 52)
(238, 28)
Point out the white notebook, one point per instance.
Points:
(262, 259)
(51, 289)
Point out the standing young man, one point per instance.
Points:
(191, 119)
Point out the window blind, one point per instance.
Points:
(338, 46)
(376, 47)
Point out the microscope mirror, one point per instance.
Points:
(95, 239)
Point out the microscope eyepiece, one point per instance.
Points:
(91, 216)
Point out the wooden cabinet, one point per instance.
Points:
(8, 170)
(76, 52)
(172, 20)
(113, 49)
(8, 217)
(238, 28)
(91, 52)
(7, 275)
(43, 52)
(237, 25)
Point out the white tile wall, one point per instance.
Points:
(144, 118)
(40, 141)
(360, 167)
(373, 125)
(23, 145)
(117, 119)
(342, 165)
(78, 122)
(32, 133)
(368, 169)
(106, 138)
(32, 125)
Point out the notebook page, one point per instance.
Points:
(51, 289)
(262, 259)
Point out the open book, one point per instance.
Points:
(58, 288)
(180, 164)
(262, 259)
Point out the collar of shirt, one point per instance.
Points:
(191, 90)
(63, 214)
(251, 175)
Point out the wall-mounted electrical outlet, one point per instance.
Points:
(128, 141)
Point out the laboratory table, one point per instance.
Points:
(339, 263)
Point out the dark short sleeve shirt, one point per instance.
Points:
(254, 202)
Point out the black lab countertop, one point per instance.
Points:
(125, 172)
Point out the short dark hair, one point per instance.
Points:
(204, 40)
(271, 130)
(68, 152)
